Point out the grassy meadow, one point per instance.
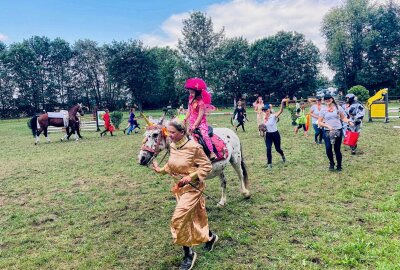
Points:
(89, 205)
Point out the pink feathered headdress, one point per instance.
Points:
(198, 84)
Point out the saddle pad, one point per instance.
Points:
(62, 114)
(220, 149)
(55, 115)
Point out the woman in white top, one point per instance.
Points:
(272, 134)
(330, 119)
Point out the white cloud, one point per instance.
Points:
(253, 20)
(3, 37)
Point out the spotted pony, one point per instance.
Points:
(156, 140)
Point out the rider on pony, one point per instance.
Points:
(199, 104)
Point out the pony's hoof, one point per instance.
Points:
(221, 204)
(246, 194)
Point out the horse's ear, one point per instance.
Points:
(162, 118)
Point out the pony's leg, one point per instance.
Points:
(66, 135)
(236, 161)
(46, 135)
(222, 202)
(38, 136)
(76, 135)
(37, 139)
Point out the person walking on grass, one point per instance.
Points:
(355, 112)
(132, 123)
(107, 124)
(301, 119)
(315, 111)
(188, 162)
(272, 135)
(330, 119)
(258, 105)
(239, 116)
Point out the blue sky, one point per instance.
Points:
(102, 21)
(157, 22)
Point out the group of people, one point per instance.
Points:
(330, 122)
(133, 125)
(190, 163)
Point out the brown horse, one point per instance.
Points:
(42, 122)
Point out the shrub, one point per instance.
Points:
(292, 110)
(116, 118)
(360, 92)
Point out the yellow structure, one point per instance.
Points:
(378, 105)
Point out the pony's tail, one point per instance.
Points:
(33, 125)
(244, 169)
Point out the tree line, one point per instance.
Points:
(362, 39)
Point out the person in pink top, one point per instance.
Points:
(199, 104)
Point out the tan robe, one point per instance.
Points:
(189, 224)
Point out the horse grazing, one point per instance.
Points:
(42, 122)
(155, 141)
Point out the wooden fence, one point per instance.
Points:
(87, 124)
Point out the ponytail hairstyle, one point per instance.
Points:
(334, 102)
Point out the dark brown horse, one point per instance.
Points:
(42, 122)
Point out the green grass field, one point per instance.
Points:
(89, 205)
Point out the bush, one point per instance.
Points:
(360, 92)
(116, 118)
(292, 110)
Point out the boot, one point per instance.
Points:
(210, 244)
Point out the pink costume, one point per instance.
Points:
(194, 109)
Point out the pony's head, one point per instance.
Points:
(155, 140)
(80, 109)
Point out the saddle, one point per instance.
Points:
(219, 147)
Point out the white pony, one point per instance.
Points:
(155, 141)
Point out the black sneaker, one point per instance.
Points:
(339, 169)
(283, 159)
(210, 244)
(332, 167)
(188, 262)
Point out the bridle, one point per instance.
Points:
(156, 150)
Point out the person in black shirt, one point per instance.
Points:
(239, 116)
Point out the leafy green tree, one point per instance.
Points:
(6, 88)
(283, 64)
(363, 43)
(169, 90)
(230, 61)
(60, 71)
(360, 92)
(198, 43)
(88, 67)
(134, 68)
(381, 68)
(28, 63)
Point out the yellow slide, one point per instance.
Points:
(378, 96)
